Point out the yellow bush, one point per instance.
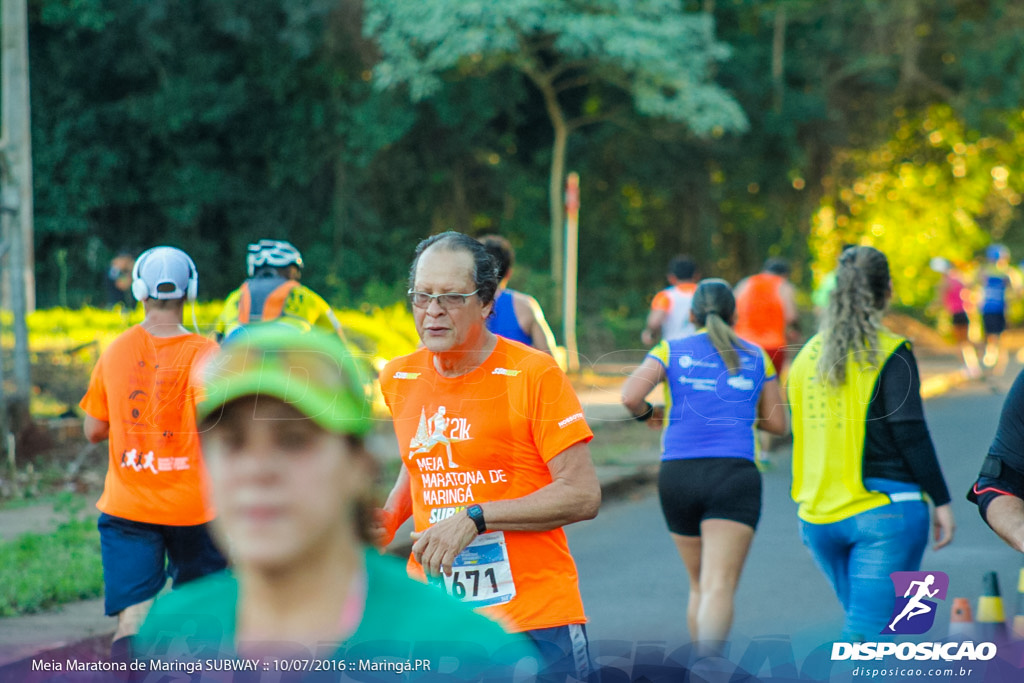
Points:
(61, 341)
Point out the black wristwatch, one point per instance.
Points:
(476, 513)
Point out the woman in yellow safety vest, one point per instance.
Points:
(864, 466)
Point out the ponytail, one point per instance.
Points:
(713, 304)
(724, 340)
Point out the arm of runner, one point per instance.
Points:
(396, 510)
(328, 321)
(943, 526)
(95, 430)
(529, 311)
(787, 293)
(1005, 514)
(772, 415)
(652, 329)
(573, 495)
(648, 375)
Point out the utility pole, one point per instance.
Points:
(17, 130)
(16, 191)
(572, 222)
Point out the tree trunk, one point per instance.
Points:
(557, 177)
(779, 57)
(460, 201)
(339, 213)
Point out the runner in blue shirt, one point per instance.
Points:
(718, 390)
(517, 316)
(998, 280)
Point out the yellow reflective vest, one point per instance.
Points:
(829, 431)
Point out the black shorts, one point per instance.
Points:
(994, 323)
(692, 490)
(961, 320)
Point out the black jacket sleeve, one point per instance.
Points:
(1002, 471)
(904, 411)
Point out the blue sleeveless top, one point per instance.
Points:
(994, 293)
(710, 413)
(503, 321)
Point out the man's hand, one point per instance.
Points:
(943, 526)
(437, 547)
(383, 527)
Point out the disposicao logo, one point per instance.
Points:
(914, 614)
(916, 593)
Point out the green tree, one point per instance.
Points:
(588, 60)
(934, 189)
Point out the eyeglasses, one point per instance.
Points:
(445, 301)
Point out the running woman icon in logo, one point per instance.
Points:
(914, 605)
(923, 585)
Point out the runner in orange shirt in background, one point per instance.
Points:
(495, 455)
(155, 505)
(766, 312)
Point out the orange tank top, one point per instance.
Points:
(760, 314)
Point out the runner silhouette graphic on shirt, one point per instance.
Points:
(915, 607)
(430, 433)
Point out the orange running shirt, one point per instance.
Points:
(760, 312)
(499, 424)
(142, 387)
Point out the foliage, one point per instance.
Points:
(38, 571)
(208, 126)
(66, 343)
(586, 61)
(651, 50)
(933, 189)
(204, 126)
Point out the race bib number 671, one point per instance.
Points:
(481, 574)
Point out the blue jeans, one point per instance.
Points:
(857, 555)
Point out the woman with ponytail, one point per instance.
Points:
(718, 388)
(864, 465)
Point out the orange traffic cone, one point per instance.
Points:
(961, 623)
(1018, 619)
(991, 619)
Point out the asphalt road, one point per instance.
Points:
(634, 584)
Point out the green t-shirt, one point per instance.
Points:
(407, 627)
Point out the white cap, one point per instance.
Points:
(167, 272)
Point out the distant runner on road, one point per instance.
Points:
(766, 312)
(273, 292)
(670, 309)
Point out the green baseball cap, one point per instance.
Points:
(311, 371)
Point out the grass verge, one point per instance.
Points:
(39, 571)
(624, 442)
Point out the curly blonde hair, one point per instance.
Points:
(853, 317)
